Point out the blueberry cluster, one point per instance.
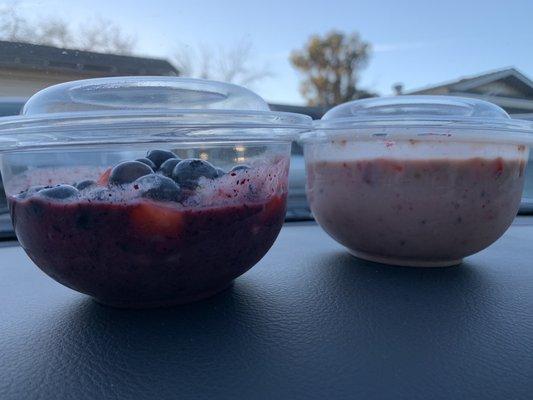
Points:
(161, 175)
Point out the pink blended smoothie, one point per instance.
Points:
(423, 210)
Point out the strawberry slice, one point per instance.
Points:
(499, 166)
(157, 219)
(274, 210)
(104, 178)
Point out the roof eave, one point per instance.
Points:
(505, 102)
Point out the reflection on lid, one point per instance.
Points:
(413, 107)
(142, 93)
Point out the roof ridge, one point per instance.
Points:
(467, 78)
(22, 55)
(55, 48)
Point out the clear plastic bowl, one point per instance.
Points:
(416, 180)
(147, 233)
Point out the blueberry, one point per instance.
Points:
(158, 157)
(158, 187)
(187, 172)
(239, 168)
(85, 184)
(220, 172)
(30, 191)
(60, 192)
(128, 171)
(147, 161)
(168, 166)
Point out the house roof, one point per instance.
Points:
(53, 59)
(511, 76)
(528, 116)
(508, 88)
(313, 112)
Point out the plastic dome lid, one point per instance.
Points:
(142, 94)
(415, 116)
(131, 109)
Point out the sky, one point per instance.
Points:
(417, 43)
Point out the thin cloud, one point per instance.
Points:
(391, 47)
(280, 55)
(19, 5)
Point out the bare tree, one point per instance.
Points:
(54, 32)
(192, 61)
(12, 26)
(232, 64)
(104, 36)
(101, 35)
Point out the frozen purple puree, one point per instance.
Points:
(422, 209)
(133, 237)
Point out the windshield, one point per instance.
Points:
(292, 54)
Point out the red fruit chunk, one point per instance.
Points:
(274, 210)
(104, 178)
(499, 166)
(157, 219)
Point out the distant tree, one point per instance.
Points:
(104, 36)
(331, 66)
(12, 26)
(100, 35)
(52, 32)
(232, 64)
(398, 88)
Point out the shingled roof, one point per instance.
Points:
(53, 59)
(509, 88)
(510, 76)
